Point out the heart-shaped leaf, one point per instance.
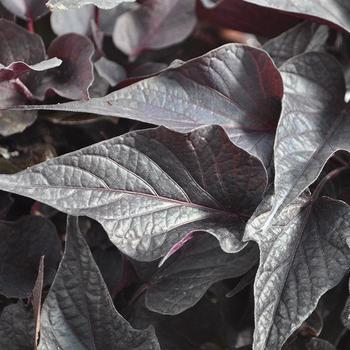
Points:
(150, 188)
(75, 75)
(16, 69)
(302, 255)
(22, 244)
(26, 9)
(336, 11)
(154, 24)
(78, 313)
(235, 86)
(305, 37)
(314, 123)
(17, 327)
(189, 273)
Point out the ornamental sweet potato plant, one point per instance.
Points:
(174, 174)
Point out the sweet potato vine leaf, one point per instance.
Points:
(22, 244)
(150, 188)
(235, 86)
(71, 4)
(26, 9)
(154, 24)
(303, 254)
(314, 123)
(78, 312)
(304, 37)
(17, 327)
(74, 76)
(21, 52)
(188, 274)
(336, 11)
(16, 69)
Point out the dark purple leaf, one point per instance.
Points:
(110, 71)
(150, 188)
(6, 201)
(73, 21)
(26, 9)
(16, 69)
(155, 24)
(319, 344)
(17, 327)
(314, 123)
(75, 75)
(78, 312)
(303, 254)
(20, 45)
(235, 86)
(247, 17)
(190, 330)
(23, 243)
(188, 274)
(272, 17)
(12, 122)
(334, 12)
(305, 37)
(21, 51)
(110, 263)
(72, 4)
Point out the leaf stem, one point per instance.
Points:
(331, 175)
(30, 26)
(97, 16)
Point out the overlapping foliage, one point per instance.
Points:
(175, 174)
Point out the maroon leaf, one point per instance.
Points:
(110, 71)
(75, 75)
(16, 69)
(154, 24)
(19, 45)
(12, 122)
(265, 17)
(336, 12)
(73, 21)
(22, 245)
(26, 9)
(235, 86)
(246, 17)
(150, 188)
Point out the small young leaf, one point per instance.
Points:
(302, 255)
(73, 21)
(154, 24)
(150, 188)
(189, 273)
(75, 75)
(78, 312)
(16, 69)
(12, 122)
(26, 9)
(305, 37)
(72, 4)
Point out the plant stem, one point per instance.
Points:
(331, 175)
